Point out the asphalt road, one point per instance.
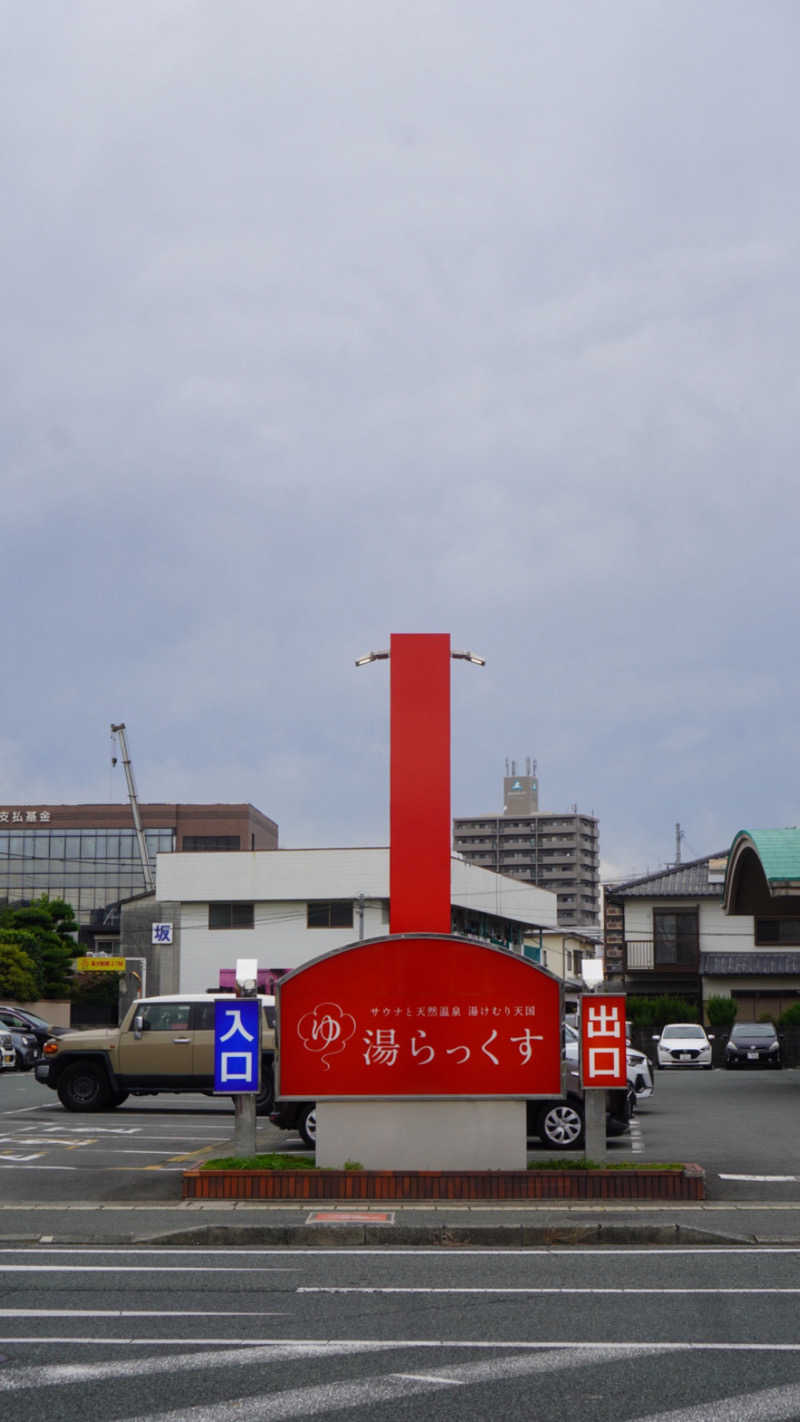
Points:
(744, 1128)
(191, 1336)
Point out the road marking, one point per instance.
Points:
(351, 1217)
(763, 1179)
(39, 1167)
(19, 1159)
(143, 1268)
(501, 1289)
(134, 1313)
(770, 1405)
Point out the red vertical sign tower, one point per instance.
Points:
(419, 857)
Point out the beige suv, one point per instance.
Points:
(162, 1044)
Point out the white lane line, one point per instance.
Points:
(273, 1346)
(636, 1138)
(135, 1313)
(503, 1289)
(430, 1378)
(20, 1166)
(144, 1268)
(358, 1252)
(771, 1405)
(763, 1179)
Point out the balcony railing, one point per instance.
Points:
(639, 954)
(640, 958)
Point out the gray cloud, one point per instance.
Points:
(326, 322)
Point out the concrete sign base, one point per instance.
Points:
(426, 1134)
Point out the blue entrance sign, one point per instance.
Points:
(237, 1055)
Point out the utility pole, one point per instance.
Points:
(678, 838)
(119, 732)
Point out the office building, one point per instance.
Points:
(89, 854)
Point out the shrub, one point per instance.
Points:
(791, 1017)
(653, 1012)
(721, 1011)
(17, 974)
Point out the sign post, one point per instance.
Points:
(237, 1054)
(604, 1062)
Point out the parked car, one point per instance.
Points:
(162, 1044)
(683, 1044)
(19, 1019)
(753, 1044)
(8, 1056)
(558, 1123)
(639, 1073)
(26, 1050)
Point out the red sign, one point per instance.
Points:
(604, 1059)
(418, 1015)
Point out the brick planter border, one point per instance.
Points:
(687, 1183)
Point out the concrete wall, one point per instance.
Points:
(423, 1134)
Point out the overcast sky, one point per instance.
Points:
(334, 319)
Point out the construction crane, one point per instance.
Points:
(119, 732)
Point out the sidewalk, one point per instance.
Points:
(241, 1224)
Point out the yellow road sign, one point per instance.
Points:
(100, 965)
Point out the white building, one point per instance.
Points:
(287, 906)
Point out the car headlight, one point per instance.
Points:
(774, 1047)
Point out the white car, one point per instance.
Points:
(640, 1076)
(683, 1044)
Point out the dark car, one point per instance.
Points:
(753, 1044)
(19, 1019)
(26, 1050)
(559, 1124)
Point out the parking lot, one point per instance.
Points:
(743, 1127)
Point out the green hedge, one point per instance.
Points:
(653, 1012)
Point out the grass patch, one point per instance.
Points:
(273, 1161)
(276, 1161)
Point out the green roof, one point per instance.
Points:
(778, 850)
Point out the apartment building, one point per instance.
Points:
(558, 851)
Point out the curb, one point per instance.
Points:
(520, 1236)
(398, 1186)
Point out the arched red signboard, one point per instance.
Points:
(417, 1015)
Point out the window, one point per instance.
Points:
(164, 1016)
(195, 842)
(675, 937)
(230, 915)
(330, 913)
(778, 931)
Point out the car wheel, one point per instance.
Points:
(307, 1125)
(83, 1088)
(266, 1096)
(117, 1098)
(710, 1067)
(560, 1126)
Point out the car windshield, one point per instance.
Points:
(683, 1029)
(753, 1029)
(30, 1017)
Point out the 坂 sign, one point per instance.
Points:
(417, 1015)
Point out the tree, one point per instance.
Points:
(17, 974)
(43, 930)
